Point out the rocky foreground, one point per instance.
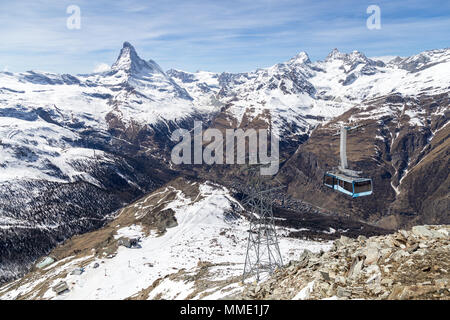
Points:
(411, 264)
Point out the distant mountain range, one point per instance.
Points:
(77, 148)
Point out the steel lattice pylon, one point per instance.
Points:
(263, 252)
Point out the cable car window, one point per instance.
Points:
(363, 186)
(328, 180)
(348, 186)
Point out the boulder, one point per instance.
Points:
(362, 238)
(342, 242)
(343, 293)
(398, 255)
(412, 248)
(426, 232)
(305, 256)
(372, 255)
(404, 233)
(411, 292)
(355, 269)
(387, 282)
(325, 275)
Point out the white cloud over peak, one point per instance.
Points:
(101, 67)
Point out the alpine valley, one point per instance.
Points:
(85, 160)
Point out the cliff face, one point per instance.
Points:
(403, 146)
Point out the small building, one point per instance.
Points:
(129, 242)
(46, 261)
(61, 287)
(77, 271)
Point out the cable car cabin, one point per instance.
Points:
(355, 187)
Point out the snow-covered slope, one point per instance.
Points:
(202, 85)
(199, 254)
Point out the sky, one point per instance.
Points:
(214, 35)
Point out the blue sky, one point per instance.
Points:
(234, 35)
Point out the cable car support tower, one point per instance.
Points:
(263, 252)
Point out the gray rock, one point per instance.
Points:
(343, 293)
(445, 232)
(404, 233)
(291, 269)
(375, 278)
(342, 242)
(426, 232)
(387, 282)
(340, 280)
(358, 290)
(324, 286)
(306, 254)
(372, 255)
(362, 238)
(441, 282)
(413, 248)
(325, 275)
(356, 268)
(385, 295)
(377, 289)
(385, 252)
(398, 255)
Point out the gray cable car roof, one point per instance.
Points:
(350, 179)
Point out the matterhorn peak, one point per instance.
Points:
(130, 62)
(126, 44)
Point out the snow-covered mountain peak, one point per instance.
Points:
(348, 58)
(423, 60)
(300, 58)
(335, 54)
(138, 83)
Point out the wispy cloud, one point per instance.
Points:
(102, 67)
(234, 35)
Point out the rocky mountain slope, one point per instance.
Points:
(410, 264)
(190, 243)
(403, 146)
